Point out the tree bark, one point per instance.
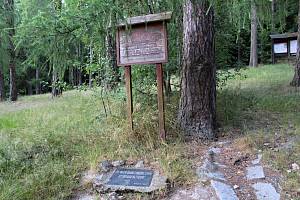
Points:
(112, 56)
(273, 15)
(296, 80)
(37, 81)
(91, 62)
(13, 93)
(197, 110)
(55, 91)
(2, 92)
(253, 50)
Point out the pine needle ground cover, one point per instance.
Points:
(46, 144)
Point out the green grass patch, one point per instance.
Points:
(46, 144)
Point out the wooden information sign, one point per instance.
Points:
(143, 40)
(143, 44)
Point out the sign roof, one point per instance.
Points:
(165, 16)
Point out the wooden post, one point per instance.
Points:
(160, 97)
(129, 95)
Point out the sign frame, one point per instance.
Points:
(149, 24)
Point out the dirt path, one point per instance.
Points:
(230, 172)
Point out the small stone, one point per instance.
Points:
(204, 175)
(295, 167)
(240, 159)
(265, 191)
(266, 144)
(118, 163)
(129, 162)
(224, 191)
(113, 196)
(288, 171)
(255, 172)
(236, 187)
(257, 161)
(215, 150)
(105, 166)
(85, 197)
(139, 164)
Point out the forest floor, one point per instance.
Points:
(46, 145)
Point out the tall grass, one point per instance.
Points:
(46, 144)
(44, 149)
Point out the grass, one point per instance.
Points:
(262, 108)
(44, 148)
(46, 144)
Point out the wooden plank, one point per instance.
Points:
(284, 35)
(165, 16)
(128, 81)
(160, 97)
(143, 44)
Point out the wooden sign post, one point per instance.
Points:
(143, 40)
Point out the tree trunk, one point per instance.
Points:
(253, 50)
(197, 110)
(273, 15)
(13, 93)
(91, 62)
(168, 88)
(79, 74)
(29, 84)
(37, 81)
(2, 92)
(296, 80)
(55, 90)
(112, 56)
(71, 76)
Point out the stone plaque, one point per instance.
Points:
(142, 44)
(131, 177)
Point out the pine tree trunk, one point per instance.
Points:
(91, 62)
(79, 74)
(197, 110)
(296, 80)
(55, 90)
(273, 15)
(112, 56)
(37, 83)
(13, 93)
(253, 50)
(168, 88)
(71, 76)
(2, 92)
(29, 88)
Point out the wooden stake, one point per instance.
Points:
(160, 97)
(129, 95)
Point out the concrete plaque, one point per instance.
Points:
(131, 177)
(142, 44)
